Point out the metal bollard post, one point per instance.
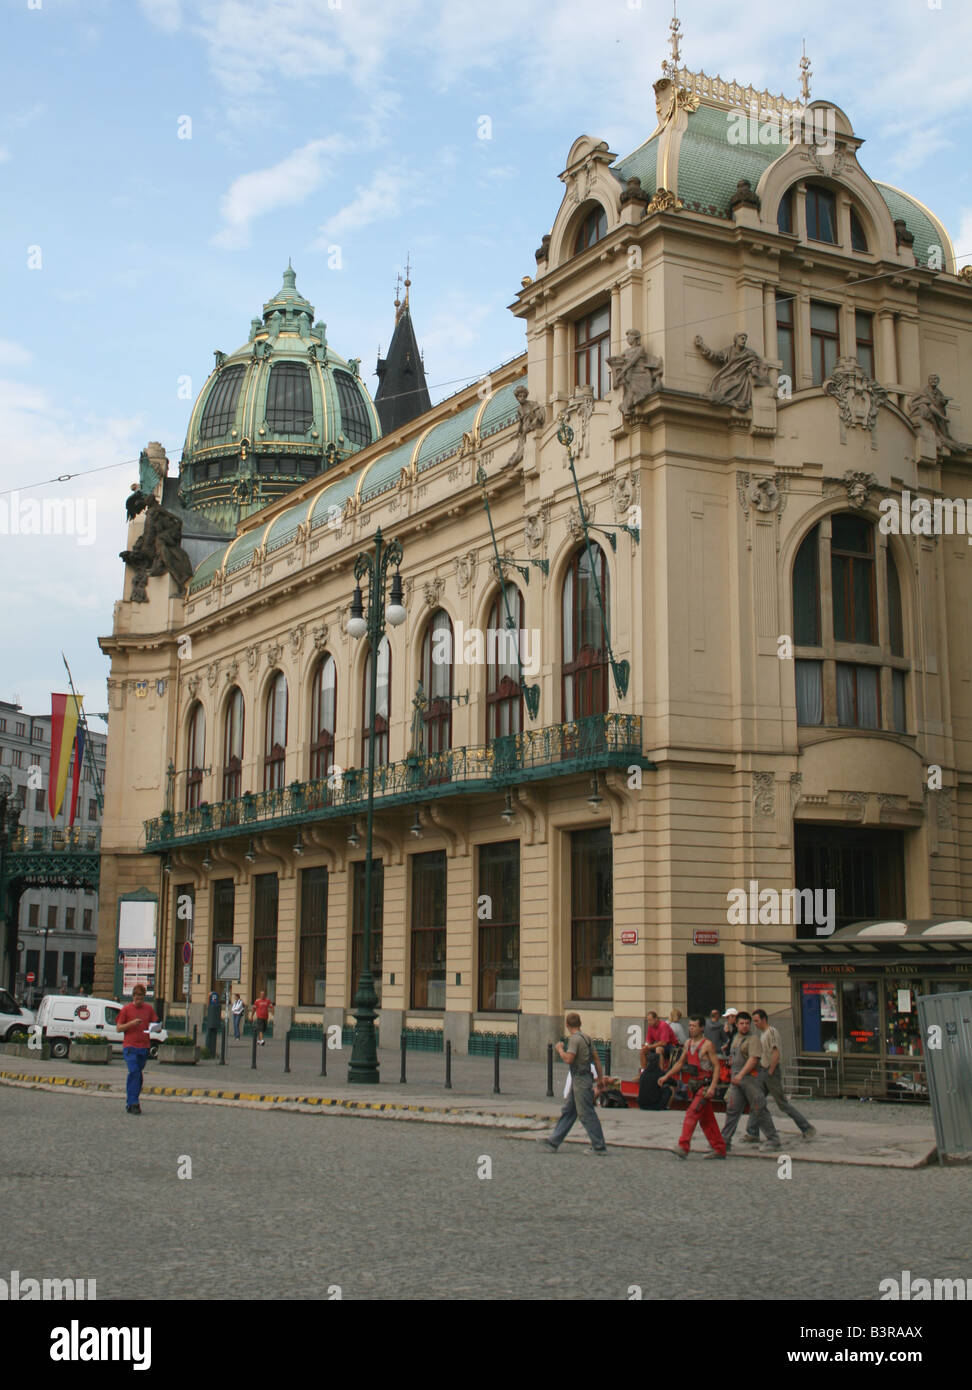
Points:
(323, 1050)
(222, 1045)
(549, 1069)
(253, 1052)
(403, 1078)
(496, 1056)
(448, 1084)
(287, 1052)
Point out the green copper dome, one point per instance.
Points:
(283, 408)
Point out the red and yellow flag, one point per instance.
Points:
(65, 712)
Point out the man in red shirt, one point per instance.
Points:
(658, 1039)
(262, 1009)
(133, 1022)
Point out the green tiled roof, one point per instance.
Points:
(207, 569)
(334, 496)
(285, 527)
(446, 438)
(382, 475)
(500, 411)
(241, 551)
(925, 232)
(642, 164)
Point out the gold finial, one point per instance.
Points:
(806, 72)
(670, 66)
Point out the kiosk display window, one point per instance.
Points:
(860, 1001)
(818, 1010)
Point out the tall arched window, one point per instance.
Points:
(585, 668)
(591, 230)
(821, 206)
(195, 756)
(275, 743)
(233, 746)
(504, 697)
(838, 684)
(323, 717)
(382, 704)
(437, 657)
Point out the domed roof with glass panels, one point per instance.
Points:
(282, 408)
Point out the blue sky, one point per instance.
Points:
(348, 123)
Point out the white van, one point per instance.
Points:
(15, 1021)
(63, 1017)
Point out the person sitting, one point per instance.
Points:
(651, 1096)
(659, 1039)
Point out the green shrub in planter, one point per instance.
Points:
(91, 1040)
(180, 1050)
(177, 1040)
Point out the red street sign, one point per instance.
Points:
(31, 977)
(186, 952)
(629, 938)
(705, 938)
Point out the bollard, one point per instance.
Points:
(448, 1084)
(287, 1052)
(403, 1078)
(195, 1028)
(253, 1052)
(549, 1069)
(496, 1055)
(222, 1045)
(323, 1050)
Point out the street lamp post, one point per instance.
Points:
(363, 1067)
(11, 805)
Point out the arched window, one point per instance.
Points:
(504, 697)
(382, 705)
(275, 742)
(355, 421)
(784, 213)
(195, 756)
(585, 668)
(437, 657)
(290, 406)
(821, 208)
(861, 690)
(591, 230)
(858, 237)
(233, 746)
(323, 715)
(219, 411)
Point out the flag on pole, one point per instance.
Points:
(76, 775)
(65, 713)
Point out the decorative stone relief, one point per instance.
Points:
(252, 657)
(636, 371)
(432, 591)
(535, 526)
(855, 801)
(625, 496)
(273, 653)
(532, 418)
(740, 369)
(943, 808)
(232, 671)
(930, 407)
(891, 805)
(574, 525)
(212, 674)
(796, 789)
(762, 494)
(319, 636)
(664, 201)
(763, 795)
(192, 685)
(499, 572)
(466, 566)
(859, 487)
(296, 638)
(858, 397)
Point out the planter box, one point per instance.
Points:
(182, 1056)
(42, 1053)
(90, 1052)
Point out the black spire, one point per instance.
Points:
(402, 391)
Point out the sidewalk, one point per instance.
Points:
(888, 1136)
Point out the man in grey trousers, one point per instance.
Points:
(579, 1054)
(770, 1077)
(744, 1060)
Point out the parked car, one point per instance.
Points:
(63, 1017)
(14, 1019)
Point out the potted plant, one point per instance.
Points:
(179, 1049)
(90, 1047)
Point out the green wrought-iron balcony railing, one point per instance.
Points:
(593, 743)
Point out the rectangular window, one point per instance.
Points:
(3, 726)
(313, 935)
(821, 215)
(591, 914)
(33, 915)
(784, 335)
(357, 923)
(67, 968)
(92, 809)
(39, 795)
(858, 696)
(86, 919)
(265, 935)
(21, 729)
(87, 972)
(52, 918)
(899, 713)
(865, 868)
(809, 691)
(592, 346)
(33, 964)
(902, 1033)
(852, 576)
(224, 914)
(864, 327)
(182, 921)
(499, 929)
(818, 1015)
(429, 930)
(861, 1008)
(16, 758)
(824, 341)
(69, 919)
(51, 980)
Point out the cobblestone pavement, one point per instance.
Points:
(283, 1205)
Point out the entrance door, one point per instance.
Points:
(705, 976)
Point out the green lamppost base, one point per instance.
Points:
(363, 1069)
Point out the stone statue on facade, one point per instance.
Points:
(532, 418)
(637, 372)
(741, 368)
(930, 406)
(157, 551)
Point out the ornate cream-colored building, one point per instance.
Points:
(738, 344)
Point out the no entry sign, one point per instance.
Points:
(186, 952)
(31, 977)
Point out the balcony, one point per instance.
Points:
(596, 742)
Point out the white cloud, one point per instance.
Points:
(164, 14)
(13, 355)
(380, 199)
(282, 185)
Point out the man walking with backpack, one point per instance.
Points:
(579, 1054)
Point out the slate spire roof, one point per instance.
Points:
(402, 391)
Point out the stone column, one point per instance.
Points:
(561, 363)
(460, 951)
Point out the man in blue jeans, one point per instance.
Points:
(579, 1054)
(133, 1022)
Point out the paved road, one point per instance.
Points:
(283, 1205)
